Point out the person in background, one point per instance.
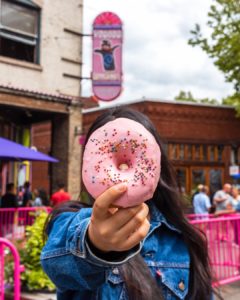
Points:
(60, 196)
(9, 200)
(37, 199)
(222, 198)
(232, 209)
(201, 201)
(199, 187)
(235, 197)
(40, 198)
(20, 195)
(27, 195)
(44, 197)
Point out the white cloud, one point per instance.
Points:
(157, 61)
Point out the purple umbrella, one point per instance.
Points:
(12, 151)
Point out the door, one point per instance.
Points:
(212, 177)
(183, 179)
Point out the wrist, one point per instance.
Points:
(93, 242)
(109, 256)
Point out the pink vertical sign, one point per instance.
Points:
(107, 56)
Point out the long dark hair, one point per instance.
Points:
(140, 284)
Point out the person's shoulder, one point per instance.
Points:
(54, 195)
(218, 193)
(197, 196)
(205, 196)
(237, 208)
(82, 214)
(13, 197)
(67, 195)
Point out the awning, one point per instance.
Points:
(12, 151)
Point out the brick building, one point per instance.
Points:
(40, 81)
(202, 141)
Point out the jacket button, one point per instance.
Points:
(181, 285)
(115, 271)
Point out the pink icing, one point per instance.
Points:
(122, 151)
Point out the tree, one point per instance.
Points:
(233, 100)
(185, 96)
(188, 96)
(223, 45)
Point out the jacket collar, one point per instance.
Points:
(157, 218)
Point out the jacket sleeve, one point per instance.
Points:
(69, 261)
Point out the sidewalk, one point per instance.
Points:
(231, 291)
(38, 296)
(33, 296)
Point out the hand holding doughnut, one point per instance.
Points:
(118, 231)
(122, 151)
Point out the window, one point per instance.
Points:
(181, 151)
(189, 152)
(19, 30)
(220, 149)
(205, 152)
(198, 176)
(234, 155)
(212, 153)
(215, 180)
(172, 151)
(181, 174)
(198, 152)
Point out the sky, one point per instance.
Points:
(157, 60)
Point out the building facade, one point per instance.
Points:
(202, 141)
(40, 81)
(41, 45)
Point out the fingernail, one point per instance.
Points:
(121, 187)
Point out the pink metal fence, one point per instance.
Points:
(13, 221)
(223, 235)
(5, 244)
(192, 217)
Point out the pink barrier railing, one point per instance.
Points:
(4, 243)
(199, 216)
(13, 221)
(223, 235)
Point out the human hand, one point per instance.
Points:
(118, 229)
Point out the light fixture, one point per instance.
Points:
(78, 130)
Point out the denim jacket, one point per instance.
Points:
(80, 275)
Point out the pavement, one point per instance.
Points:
(38, 296)
(231, 291)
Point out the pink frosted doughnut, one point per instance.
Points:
(122, 151)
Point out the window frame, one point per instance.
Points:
(22, 36)
(203, 153)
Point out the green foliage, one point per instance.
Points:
(187, 96)
(33, 277)
(233, 100)
(209, 101)
(223, 44)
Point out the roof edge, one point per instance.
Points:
(175, 102)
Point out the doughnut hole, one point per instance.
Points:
(123, 160)
(123, 167)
